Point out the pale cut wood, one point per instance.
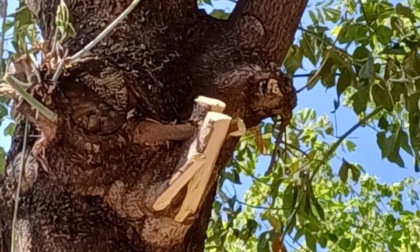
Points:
(185, 174)
(204, 105)
(195, 159)
(214, 104)
(237, 128)
(198, 184)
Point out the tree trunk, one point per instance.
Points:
(90, 181)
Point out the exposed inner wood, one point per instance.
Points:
(200, 158)
(216, 126)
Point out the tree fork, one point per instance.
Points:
(105, 162)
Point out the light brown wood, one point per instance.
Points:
(215, 105)
(198, 184)
(183, 176)
(195, 159)
(237, 128)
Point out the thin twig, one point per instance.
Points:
(59, 69)
(22, 166)
(308, 75)
(262, 207)
(3, 32)
(17, 85)
(296, 148)
(105, 32)
(343, 137)
(276, 147)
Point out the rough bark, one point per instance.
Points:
(91, 180)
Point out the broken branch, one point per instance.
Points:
(197, 168)
(199, 182)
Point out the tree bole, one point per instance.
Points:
(123, 120)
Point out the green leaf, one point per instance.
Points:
(318, 207)
(384, 34)
(396, 205)
(344, 81)
(344, 243)
(397, 25)
(310, 241)
(3, 113)
(355, 173)
(345, 168)
(361, 53)
(263, 242)
(313, 17)
(293, 59)
(207, 2)
(390, 146)
(22, 16)
(220, 14)
(232, 176)
(403, 141)
(344, 172)
(10, 129)
(332, 15)
(298, 235)
(381, 96)
(382, 143)
(367, 72)
(2, 160)
(290, 197)
(360, 100)
(396, 49)
(383, 123)
(351, 147)
(308, 48)
(406, 12)
(350, 5)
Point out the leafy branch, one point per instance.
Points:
(335, 146)
(316, 75)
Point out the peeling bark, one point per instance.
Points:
(123, 120)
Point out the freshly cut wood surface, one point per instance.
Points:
(215, 105)
(198, 184)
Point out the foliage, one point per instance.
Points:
(330, 211)
(371, 58)
(25, 39)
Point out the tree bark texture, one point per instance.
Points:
(91, 179)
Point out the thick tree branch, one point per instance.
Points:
(268, 20)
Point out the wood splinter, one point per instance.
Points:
(201, 158)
